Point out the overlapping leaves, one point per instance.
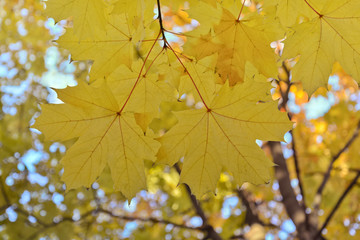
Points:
(329, 33)
(135, 69)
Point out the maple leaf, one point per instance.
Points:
(240, 38)
(222, 135)
(85, 14)
(106, 136)
(107, 51)
(140, 84)
(149, 91)
(330, 35)
(290, 12)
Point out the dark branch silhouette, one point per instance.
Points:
(3, 192)
(211, 233)
(93, 212)
(297, 170)
(318, 196)
(338, 203)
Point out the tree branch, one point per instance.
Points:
(151, 219)
(318, 196)
(3, 192)
(338, 203)
(292, 206)
(3, 208)
(211, 233)
(27, 214)
(285, 99)
(54, 224)
(252, 215)
(294, 210)
(121, 217)
(339, 169)
(297, 170)
(298, 176)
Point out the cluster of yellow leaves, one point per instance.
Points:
(321, 32)
(224, 64)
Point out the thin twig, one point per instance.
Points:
(211, 233)
(54, 224)
(121, 217)
(151, 219)
(27, 214)
(339, 169)
(338, 203)
(297, 170)
(3, 192)
(318, 196)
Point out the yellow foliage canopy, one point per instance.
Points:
(135, 69)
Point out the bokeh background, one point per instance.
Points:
(33, 201)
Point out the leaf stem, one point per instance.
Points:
(320, 15)
(138, 78)
(187, 72)
(161, 23)
(242, 7)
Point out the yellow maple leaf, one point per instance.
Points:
(107, 135)
(330, 35)
(290, 12)
(149, 91)
(202, 73)
(237, 39)
(85, 14)
(107, 51)
(221, 136)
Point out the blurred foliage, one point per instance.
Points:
(33, 201)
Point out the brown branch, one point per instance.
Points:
(151, 219)
(300, 183)
(3, 208)
(318, 196)
(294, 210)
(292, 206)
(355, 170)
(285, 97)
(121, 217)
(211, 233)
(238, 237)
(3, 192)
(252, 215)
(27, 214)
(338, 203)
(54, 224)
(297, 170)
